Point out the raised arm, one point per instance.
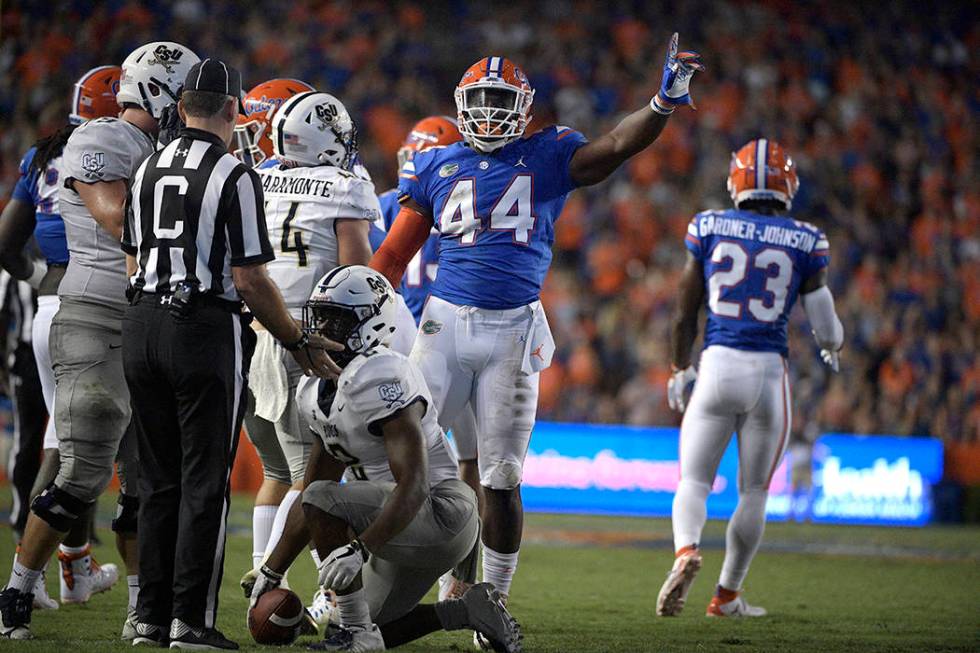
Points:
(594, 162)
(407, 235)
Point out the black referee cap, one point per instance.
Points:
(215, 76)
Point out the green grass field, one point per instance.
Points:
(589, 584)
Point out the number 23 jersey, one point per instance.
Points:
(301, 205)
(495, 213)
(754, 265)
(373, 387)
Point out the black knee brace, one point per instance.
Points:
(127, 509)
(58, 509)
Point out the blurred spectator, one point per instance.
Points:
(876, 101)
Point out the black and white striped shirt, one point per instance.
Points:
(194, 211)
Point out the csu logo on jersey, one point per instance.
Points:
(391, 393)
(327, 113)
(166, 57)
(93, 163)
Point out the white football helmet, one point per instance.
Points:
(355, 306)
(153, 74)
(312, 129)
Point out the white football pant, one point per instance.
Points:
(746, 393)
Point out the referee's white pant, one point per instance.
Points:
(187, 378)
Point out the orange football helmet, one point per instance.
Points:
(493, 100)
(95, 95)
(428, 132)
(762, 170)
(251, 141)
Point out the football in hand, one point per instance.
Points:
(276, 618)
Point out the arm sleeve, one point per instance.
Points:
(820, 255)
(410, 184)
(407, 236)
(566, 143)
(692, 239)
(99, 151)
(382, 386)
(26, 188)
(827, 328)
(243, 203)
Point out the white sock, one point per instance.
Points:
(73, 550)
(743, 537)
(22, 578)
(133, 582)
(499, 568)
(262, 521)
(282, 512)
(354, 609)
(689, 512)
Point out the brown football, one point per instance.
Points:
(276, 618)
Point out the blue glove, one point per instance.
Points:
(679, 68)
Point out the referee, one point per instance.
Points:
(196, 241)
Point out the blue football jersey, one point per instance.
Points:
(495, 214)
(754, 265)
(421, 271)
(41, 190)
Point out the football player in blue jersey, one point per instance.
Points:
(747, 265)
(433, 131)
(33, 211)
(494, 199)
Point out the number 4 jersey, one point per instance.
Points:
(754, 265)
(495, 213)
(301, 205)
(373, 387)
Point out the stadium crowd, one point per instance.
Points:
(876, 102)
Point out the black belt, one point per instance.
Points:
(166, 300)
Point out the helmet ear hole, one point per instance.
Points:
(153, 89)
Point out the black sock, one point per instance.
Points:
(422, 620)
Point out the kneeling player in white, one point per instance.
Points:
(319, 212)
(410, 515)
(749, 265)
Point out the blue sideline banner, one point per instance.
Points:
(601, 469)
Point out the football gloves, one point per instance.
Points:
(831, 359)
(170, 125)
(341, 567)
(265, 580)
(679, 68)
(677, 386)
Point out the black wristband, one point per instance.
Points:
(358, 546)
(274, 575)
(303, 341)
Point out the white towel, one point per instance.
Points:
(267, 378)
(539, 345)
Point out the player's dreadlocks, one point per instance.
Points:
(51, 147)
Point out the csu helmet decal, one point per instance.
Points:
(166, 57)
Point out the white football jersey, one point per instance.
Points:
(372, 387)
(300, 207)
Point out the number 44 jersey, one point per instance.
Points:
(301, 204)
(754, 265)
(373, 387)
(495, 213)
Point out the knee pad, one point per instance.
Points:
(127, 511)
(58, 509)
(502, 475)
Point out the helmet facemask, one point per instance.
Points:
(246, 139)
(348, 142)
(492, 114)
(342, 323)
